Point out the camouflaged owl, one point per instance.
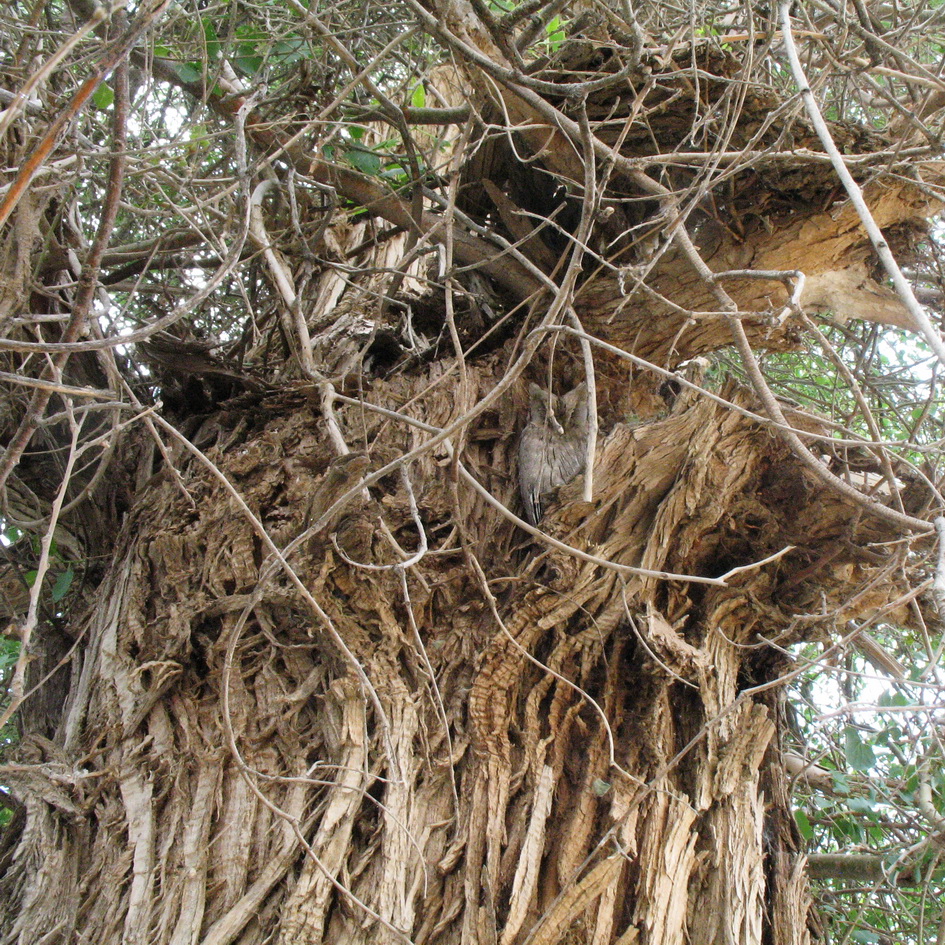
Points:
(552, 446)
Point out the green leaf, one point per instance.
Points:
(600, 787)
(862, 805)
(860, 755)
(290, 50)
(867, 938)
(248, 65)
(188, 71)
(103, 96)
(888, 698)
(12, 534)
(367, 162)
(803, 824)
(849, 828)
(62, 585)
(555, 33)
(9, 652)
(419, 97)
(214, 45)
(396, 175)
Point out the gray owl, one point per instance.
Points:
(552, 447)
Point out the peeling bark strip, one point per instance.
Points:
(321, 689)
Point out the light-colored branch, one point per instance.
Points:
(296, 327)
(36, 591)
(922, 322)
(938, 583)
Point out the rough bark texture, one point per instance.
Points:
(601, 768)
(502, 742)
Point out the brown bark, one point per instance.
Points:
(215, 725)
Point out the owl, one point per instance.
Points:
(552, 446)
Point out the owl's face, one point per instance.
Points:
(561, 413)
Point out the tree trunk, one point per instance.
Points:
(566, 752)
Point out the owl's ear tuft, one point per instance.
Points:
(575, 399)
(537, 401)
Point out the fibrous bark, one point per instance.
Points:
(601, 762)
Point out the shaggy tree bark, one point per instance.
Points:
(321, 698)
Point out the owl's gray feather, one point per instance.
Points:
(552, 446)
